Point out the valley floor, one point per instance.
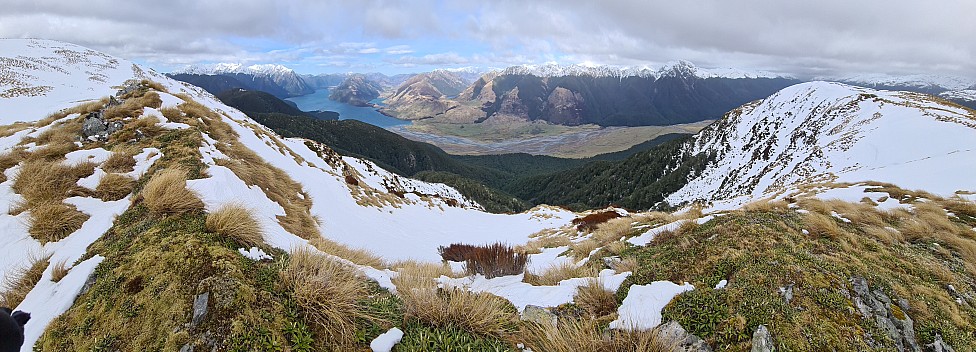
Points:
(536, 138)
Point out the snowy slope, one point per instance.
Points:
(820, 132)
(920, 81)
(41, 77)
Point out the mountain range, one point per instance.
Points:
(145, 214)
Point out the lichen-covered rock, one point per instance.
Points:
(762, 341)
(673, 331)
(538, 315)
(890, 317)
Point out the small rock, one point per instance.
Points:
(787, 292)
(762, 341)
(612, 262)
(938, 345)
(538, 315)
(200, 308)
(186, 348)
(673, 331)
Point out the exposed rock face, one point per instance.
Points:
(762, 341)
(200, 304)
(673, 331)
(938, 345)
(564, 107)
(356, 90)
(890, 318)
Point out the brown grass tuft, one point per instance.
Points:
(356, 255)
(237, 222)
(481, 313)
(583, 248)
(595, 299)
(59, 270)
(166, 193)
(555, 273)
(53, 222)
(824, 226)
(19, 281)
(328, 293)
(114, 187)
(120, 161)
(585, 335)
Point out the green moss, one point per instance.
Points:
(418, 337)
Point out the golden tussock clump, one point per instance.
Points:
(120, 161)
(596, 300)
(237, 222)
(19, 281)
(328, 293)
(59, 270)
(114, 187)
(555, 273)
(166, 193)
(53, 222)
(585, 335)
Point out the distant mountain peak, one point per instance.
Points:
(230, 68)
(679, 68)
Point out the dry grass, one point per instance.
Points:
(596, 300)
(328, 293)
(42, 181)
(585, 335)
(555, 273)
(59, 270)
(19, 281)
(237, 222)
(628, 264)
(166, 193)
(9, 130)
(824, 226)
(359, 256)
(480, 313)
(132, 107)
(582, 249)
(9, 159)
(53, 222)
(114, 187)
(87, 107)
(121, 160)
(766, 205)
(616, 247)
(613, 230)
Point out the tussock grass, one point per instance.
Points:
(616, 247)
(595, 299)
(18, 282)
(613, 230)
(132, 106)
(359, 256)
(53, 222)
(479, 313)
(766, 205)
(44, 181)
(121, 160)
(9, 159)
(166, 193)
(585, 335)
(59, 270)
(9, 130)
(555, 273)
(583, 248)
(237, 222)
(328, 293)
(114, 187)
(425, 270)
(823, 225)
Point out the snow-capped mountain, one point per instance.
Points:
(932, 84)
(672, 69)
(831, 132)
(276, 79)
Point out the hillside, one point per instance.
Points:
(605, 96)
(144, 214)
(356, 90)
(425, 95)
(277, 80)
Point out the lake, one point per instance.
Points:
(320, 101)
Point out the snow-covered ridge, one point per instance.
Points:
(920, 81)
(231, 68)
(966, 94)
(672, 69)
(822, 132)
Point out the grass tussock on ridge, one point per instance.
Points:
(553, 274)
(237, 222)
(52, 222)
(19, 281)
(166, 193)
(479, 313)
(114, 187)
(585, 335)
(328, 293)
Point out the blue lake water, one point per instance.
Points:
(320, 101)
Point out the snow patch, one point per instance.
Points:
(641, 310)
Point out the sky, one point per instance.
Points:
(823, 38)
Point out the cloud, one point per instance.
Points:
(807, 38)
